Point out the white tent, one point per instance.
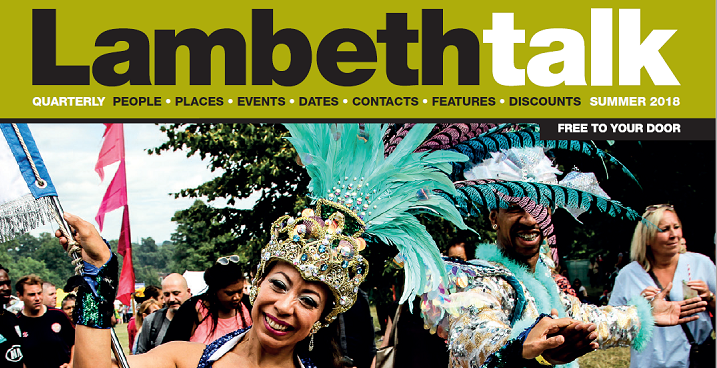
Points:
(195, 281)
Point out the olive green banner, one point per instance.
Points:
(362, 60)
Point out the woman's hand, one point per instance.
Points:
(702, 289)
(704, 292)
(677, 312)
(94, 248)
(650, 292)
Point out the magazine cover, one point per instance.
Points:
(514, 182)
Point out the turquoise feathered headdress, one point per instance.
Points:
(347, 166)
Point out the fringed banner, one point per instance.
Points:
(26, 189)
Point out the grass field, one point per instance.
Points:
(121, 331)
(610, 358)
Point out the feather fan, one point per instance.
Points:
(474, 193)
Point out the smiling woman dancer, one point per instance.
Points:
(311, 269)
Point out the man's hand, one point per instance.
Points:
(675, 312)
(538, 339)
(94, 249)
(579, 340)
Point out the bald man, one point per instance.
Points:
(176, 292)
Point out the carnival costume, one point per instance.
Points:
(487, 307)
(360, 196)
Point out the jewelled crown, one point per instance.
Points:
(324, 246)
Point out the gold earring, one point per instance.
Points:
(315, 328)
(495, 226)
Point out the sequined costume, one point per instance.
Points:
(490, 305)
(222, 345)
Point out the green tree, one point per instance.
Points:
(55, 258)
(196, 247)
(42, 256)
(253, 158)
(22, 246)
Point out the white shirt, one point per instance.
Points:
(669, 346)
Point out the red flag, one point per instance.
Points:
(115, 196)
(126, 281)
(112, 148)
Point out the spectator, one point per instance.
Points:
(155, 293)
(176, 292)
(593, 272)
(657, 263)
(218, 311)
(68, 305)
(126, 313)
(460, 249)
(49, 294)
(247, 286)
(10, 351)
(147, 307)
(48, 336)
(604, 298)
(581, 290)
(140, 296)
(619, 264)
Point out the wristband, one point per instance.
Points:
(542, 360)
(96, 295)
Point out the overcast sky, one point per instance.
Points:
(70, 152)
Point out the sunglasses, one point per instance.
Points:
(655, 207)
(225, 260)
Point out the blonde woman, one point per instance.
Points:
(656, 264)
(147, 307)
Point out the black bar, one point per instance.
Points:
(689, 129)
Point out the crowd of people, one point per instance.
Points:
(171, 313)
(500, 304)
(38, 334)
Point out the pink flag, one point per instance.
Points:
(116, 195)
(112, 148)
(126, 281)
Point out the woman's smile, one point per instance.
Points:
(276, 326)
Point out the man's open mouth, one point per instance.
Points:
(529, 236)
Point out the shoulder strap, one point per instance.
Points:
(688, 334)
(156, 326)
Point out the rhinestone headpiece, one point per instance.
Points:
(324, 246)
